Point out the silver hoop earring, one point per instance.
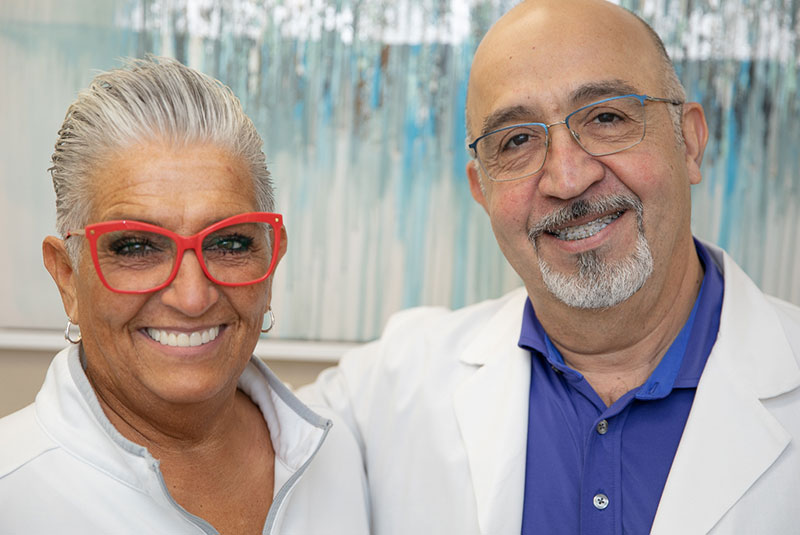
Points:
(68, 335)
(271, 317)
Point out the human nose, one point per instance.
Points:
(190, 292)
(568, 170)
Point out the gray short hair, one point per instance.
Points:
(673, 88)
(151, 99)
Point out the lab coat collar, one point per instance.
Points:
(491, 408)
(501, 331)
(713, 467)
(730, 438)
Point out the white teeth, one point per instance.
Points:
(586, 230)
(194, 339)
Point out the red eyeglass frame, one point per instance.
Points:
(195, 242)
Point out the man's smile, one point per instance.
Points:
(585, 230)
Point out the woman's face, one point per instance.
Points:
(183, 190)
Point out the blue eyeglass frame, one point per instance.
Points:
(641, 98)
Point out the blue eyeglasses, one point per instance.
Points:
(601, 128)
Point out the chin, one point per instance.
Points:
(186, 389)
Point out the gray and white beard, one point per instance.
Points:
(597, 283)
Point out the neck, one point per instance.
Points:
(617, 349)
(164, 427)
(216, 457)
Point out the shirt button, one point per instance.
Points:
(600, 501)
(602, 427)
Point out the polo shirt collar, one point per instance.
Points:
(685, 359)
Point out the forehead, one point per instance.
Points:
(181, 188)
(543, 55)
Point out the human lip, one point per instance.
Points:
(585, 230)
(584, 218)
(182, 338)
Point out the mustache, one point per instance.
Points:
(585, 207)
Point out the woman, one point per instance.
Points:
(158, 419)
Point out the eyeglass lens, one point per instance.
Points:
(137, 260)
(603, 128)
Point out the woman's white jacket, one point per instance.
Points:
(65, 469)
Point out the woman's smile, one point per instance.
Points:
(182, 338)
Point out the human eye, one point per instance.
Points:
(519, 138)
(516, 141)
(233, 243)
(236, 241)
(607, 116)
(615, 113)
(133, 245)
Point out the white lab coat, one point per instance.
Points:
(65, 469)
(440, 405)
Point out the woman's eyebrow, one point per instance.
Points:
(121, 216)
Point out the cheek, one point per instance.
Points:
(251, 301)
(648, 175)
(108, 316)
(99, 308)
(510, 206)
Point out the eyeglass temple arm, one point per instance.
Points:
(667, 100)
(79, 232)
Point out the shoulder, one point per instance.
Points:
(337, 465)
(424, 329)
(748, 308)
(789, 313)
(28, 458)
(22, 441)
(789, 317)
(309, 439)
(423, 351)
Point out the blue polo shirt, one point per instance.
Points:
(592, 469)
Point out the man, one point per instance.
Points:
(640, 383)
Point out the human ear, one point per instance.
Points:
(475, 185)
(284, 243)
(59, 265)
(695, 137)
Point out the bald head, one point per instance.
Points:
(554, 41)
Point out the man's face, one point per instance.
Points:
(587, 230)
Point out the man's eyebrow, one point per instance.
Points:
(599, 90)
(582, 95)
(504, 116)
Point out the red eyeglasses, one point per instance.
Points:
(134, 257)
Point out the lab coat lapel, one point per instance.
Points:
(491, 408)
(730, 438)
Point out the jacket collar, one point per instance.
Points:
(751, 361)
(491, 408)
(503, 326)
(70, 413)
